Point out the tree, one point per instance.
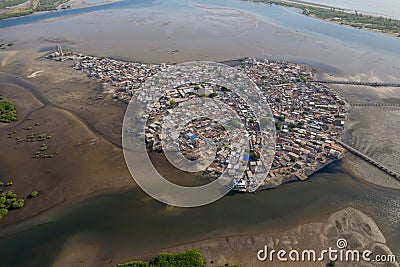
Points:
(2, 201)
(7, 111)
(172, 103)
(254, 156)
(43, 147)
(3, 212)
(33, 194)
(17, 204)
(278, 125)
(9, 194)
(190, 258)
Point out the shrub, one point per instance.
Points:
(33, 194)
(7, 111)
(17, 204)
(3, 212)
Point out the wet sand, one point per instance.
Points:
(373, 130)
(85, 161)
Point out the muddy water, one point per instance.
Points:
(131, 223)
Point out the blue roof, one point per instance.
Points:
(246, 158)
(193, 137)
(188, 90)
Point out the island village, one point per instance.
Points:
(309, 116)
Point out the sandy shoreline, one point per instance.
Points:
(83, 3)
(72, 4)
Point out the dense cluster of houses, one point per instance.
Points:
(308, 116)
(119, 78)
(195, 131)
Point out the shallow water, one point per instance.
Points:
(131, 223)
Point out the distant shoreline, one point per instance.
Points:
(343, 16)
(11, 13)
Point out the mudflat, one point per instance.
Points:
(84, 160)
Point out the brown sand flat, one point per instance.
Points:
(73, 90)
(373, 129)
(84, 162)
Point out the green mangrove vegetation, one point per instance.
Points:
(18, 8)
(33, 137)
(9, 201)
(8, 112)
(10, 3)
(191, 258)
(33, 194)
